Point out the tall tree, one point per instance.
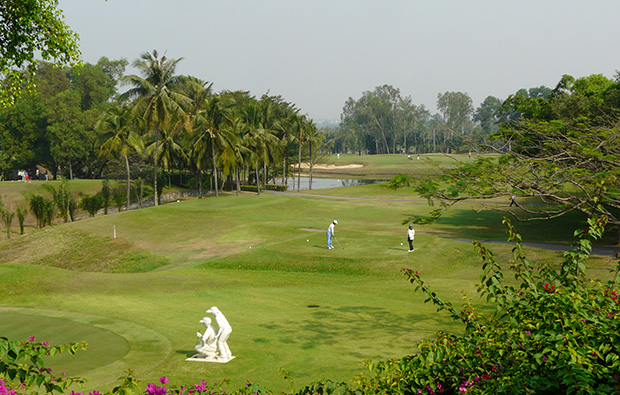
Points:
(456, 109)
(156, 99)
(567, 162)
(117, 127)
(488, 114)
(31, 29)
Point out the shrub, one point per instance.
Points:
(41, 208)
(7, 216)
(119, 197)
(276, 187)
(106, 195)
(21, 217)
(269, 187)
(21, 366)
(249, 188)
(92, 203)
(62, 198)
(554, 332)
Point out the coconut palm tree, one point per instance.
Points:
(156, 99)
(314, 138)
(257, 135)
(118, 127)
(197, 91)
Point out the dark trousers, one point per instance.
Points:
(410, 244)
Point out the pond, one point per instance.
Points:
(323, 183)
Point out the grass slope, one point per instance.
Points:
(293, 304)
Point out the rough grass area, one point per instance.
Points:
(67, 248)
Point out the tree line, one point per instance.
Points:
(384, 121)
(78, 124)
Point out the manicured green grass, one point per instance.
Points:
(387, 165)
(293, 304)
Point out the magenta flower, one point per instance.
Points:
(45, 343)
(94, 393)
(163, 380)
(31, 338)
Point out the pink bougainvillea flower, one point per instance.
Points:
(45, 343)
(163, 380)
(94, 393)
(31, 338)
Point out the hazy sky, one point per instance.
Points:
(318, 53)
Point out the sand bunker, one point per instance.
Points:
(331, 167)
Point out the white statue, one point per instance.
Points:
(223, 332)
(213, 346)
(207, 346)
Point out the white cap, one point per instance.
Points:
(205, 320)
(213, 310)
(336, 222)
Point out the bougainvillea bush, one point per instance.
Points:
(553, 331)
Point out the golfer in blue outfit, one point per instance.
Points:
(330, 234)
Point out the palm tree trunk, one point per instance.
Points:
(257, 179)
(214, 167)
(128, 183)
(238, 189)
(299, 164)
(70, 171)
(310, 153)
(155, 165)
(199, 181)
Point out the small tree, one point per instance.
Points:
(21, 217)
(118, 196)
(7, 216)
(552, 332)
(139, 187)
(92, 203)
(63, 199)
(106, 195)
(41, 208)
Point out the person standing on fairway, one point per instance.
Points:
(330, 234)
(410, 237)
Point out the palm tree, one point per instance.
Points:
(197, 91)
(217, 120)
(257, 136)
(314, 139)
(156, 99)
(287, 126)
(118, 136)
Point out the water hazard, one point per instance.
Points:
(324, 183)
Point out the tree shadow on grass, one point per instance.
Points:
(487, 225)
(372, 330)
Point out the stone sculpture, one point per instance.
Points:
(213, 345)
(207, 346)
(223, 332)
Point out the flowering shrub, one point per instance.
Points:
(553, 332)
(21, 366)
